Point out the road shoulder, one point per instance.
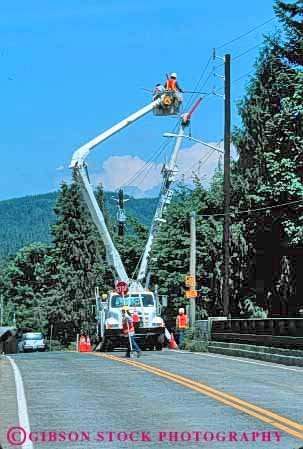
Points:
(8, 401)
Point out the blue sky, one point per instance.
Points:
(71, 69)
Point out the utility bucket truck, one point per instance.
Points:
(150, 327)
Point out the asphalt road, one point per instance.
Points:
(164, 398)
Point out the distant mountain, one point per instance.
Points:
(28, 219)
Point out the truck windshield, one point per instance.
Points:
(133, 300)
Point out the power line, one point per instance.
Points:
(191, 100)
(246, 34)
(237, 79)
(242, 76)
(254, 210)
(236, 57)
(148, 170)
(205, 157)
(247, 51)
(148, 163)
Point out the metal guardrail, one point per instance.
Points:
(278, 332)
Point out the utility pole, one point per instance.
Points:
(1, 309)
(226, 231)
(14, 315)
(121, 217)
(192, 267)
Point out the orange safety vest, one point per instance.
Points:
(171, 84)
(182, 321)
(126, 329)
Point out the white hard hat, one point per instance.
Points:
(181, 310)
(173, 75)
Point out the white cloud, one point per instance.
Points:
(132, 171)
(198, 159)
(60, 168)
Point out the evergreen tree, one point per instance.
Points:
(290, 14)
(270, 165)
(102, 202)
(78, 254)
(27, 283)
(170, 260)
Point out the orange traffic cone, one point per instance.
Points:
(88, 344)
(135, 315)
(172, 343)
(82, 345)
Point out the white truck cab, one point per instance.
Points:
(149, 327)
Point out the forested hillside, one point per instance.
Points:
(27, 220)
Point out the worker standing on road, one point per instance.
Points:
(181, 326)
(129, 331)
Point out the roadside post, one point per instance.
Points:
(51, 336)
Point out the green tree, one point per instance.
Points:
(27, 283)
(79, 256)
(270, 169)
(290, 14)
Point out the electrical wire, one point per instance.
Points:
(146, 173)
(246, 34)
(247, 51)
(148, 163)
(200, 161)
(238, 56)
(253, 210)
(191, 99)
(236, 80)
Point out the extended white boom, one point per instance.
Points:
(79, 167)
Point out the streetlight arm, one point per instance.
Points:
(195, 140)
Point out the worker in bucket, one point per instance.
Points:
(129, 332)
(171, 83)
(158, 91)
(181, 326)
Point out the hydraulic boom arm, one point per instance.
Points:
(82, 152)
(169, 175)
(79, 167)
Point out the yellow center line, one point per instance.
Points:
(263, 415)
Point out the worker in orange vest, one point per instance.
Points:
(128, 331)
(181, 326)
(171, 83)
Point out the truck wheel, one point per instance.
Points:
(108, 346)
(159, 343)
